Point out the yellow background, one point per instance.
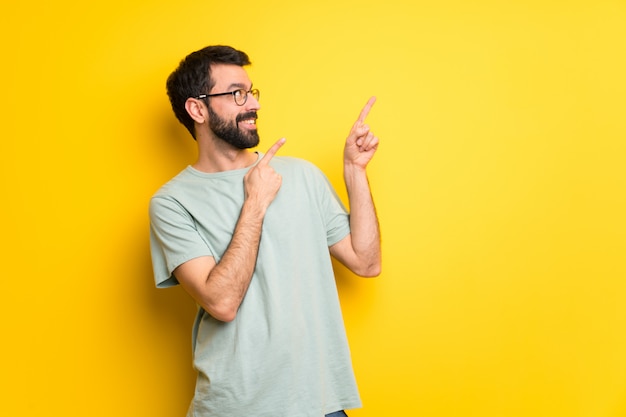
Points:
(499, 183)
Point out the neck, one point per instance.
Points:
(215, 155)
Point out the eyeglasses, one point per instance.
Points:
(240, 96)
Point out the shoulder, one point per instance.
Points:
(188, 182)
(170, 192)
(175, 183)
(302, 174)
(290, 164)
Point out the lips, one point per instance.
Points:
(248, 119)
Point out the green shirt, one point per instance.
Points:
(286, 352)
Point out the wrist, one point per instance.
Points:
(352, 169)
(355, 177)
(254, 208)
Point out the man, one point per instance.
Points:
(248, 236)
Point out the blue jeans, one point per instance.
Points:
(337, 414)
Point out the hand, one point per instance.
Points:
(361, 144)
(261, 183)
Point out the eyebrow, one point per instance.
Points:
(238, 85)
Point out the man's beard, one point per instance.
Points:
(230, 133)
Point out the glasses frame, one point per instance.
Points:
(253, 91)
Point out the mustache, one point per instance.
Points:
(246, 116)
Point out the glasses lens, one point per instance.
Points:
(240, 97)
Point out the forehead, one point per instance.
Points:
(227, 77)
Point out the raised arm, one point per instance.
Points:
(220, 287)
(360, 250)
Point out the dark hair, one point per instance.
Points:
(193, 77)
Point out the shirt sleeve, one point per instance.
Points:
(334, 212)
(174, 239)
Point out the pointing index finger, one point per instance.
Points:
(272, 151)
(366, 110)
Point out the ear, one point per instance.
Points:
(196, 109)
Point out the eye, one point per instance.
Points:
(239, 93)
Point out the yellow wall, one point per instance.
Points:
(500, 185)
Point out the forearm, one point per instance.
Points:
(228, 282)
(364, 227)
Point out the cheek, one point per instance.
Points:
(219, 116)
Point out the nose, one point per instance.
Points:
(252, 103)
